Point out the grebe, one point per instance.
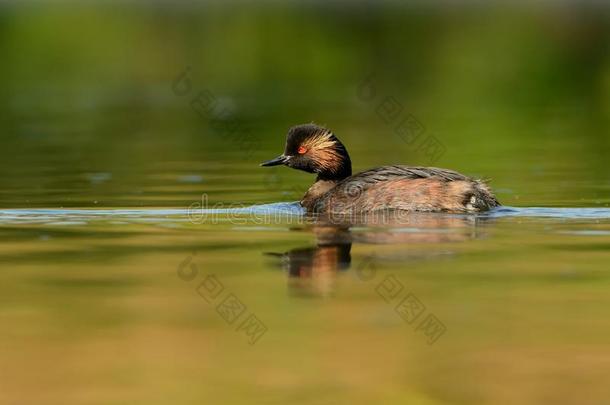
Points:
(315, 149)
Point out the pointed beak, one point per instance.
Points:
(280, 160)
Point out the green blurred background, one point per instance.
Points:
(519, 94)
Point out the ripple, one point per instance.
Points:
(75, 216)
(543, 212)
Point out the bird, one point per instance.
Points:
(316, 149)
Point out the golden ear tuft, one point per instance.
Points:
(326, 154)
(320, 140)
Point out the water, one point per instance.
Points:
(145, 257)
(264, 212)
(112, 301)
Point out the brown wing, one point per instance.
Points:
(406, 172)
(408, 188)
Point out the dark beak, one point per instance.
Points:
(280, 160)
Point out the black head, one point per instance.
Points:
(314, 149)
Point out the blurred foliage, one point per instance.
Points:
(511, 91)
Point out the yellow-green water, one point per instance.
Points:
(109, 307)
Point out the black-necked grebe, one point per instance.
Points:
(315, 149)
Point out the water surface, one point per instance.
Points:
(112, 301)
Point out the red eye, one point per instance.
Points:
(302, 150)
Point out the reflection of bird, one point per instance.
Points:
(316, 150)
(312, 270)
(408, 227)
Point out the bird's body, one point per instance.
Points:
(336, 191)
(400, 188)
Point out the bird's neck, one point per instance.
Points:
(327, 180)
(315, 192)
(341, 171)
